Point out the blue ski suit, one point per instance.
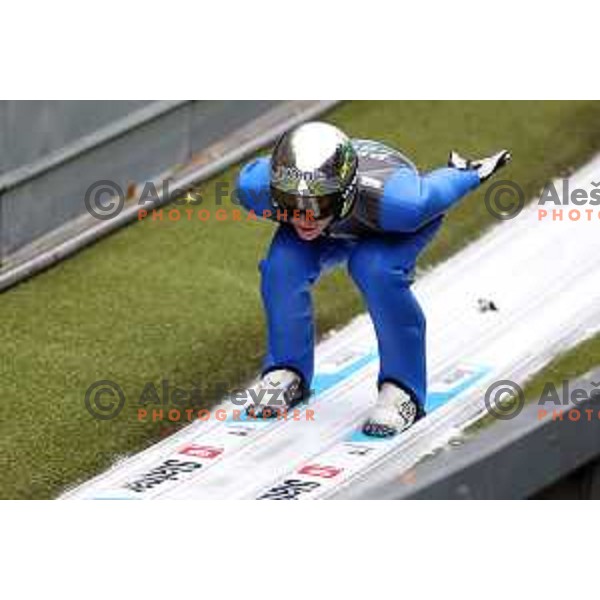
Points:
(395, 214)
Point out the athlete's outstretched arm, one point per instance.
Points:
(252, 188)
(410, 201)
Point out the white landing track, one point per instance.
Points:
(544, 279)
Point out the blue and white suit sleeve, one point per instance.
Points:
(253, 186)
(409, 201)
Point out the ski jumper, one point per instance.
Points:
(395, 214)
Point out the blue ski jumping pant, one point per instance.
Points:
(382, 268)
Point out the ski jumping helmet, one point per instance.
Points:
(314, 168)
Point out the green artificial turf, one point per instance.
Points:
(180, 301)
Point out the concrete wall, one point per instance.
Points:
(52, 152)
(30, 130)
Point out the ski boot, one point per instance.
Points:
(277, 392)
(394, 411)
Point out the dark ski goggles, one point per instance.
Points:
(314, 207)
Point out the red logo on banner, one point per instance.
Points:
(320, 471)
(201, 451)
